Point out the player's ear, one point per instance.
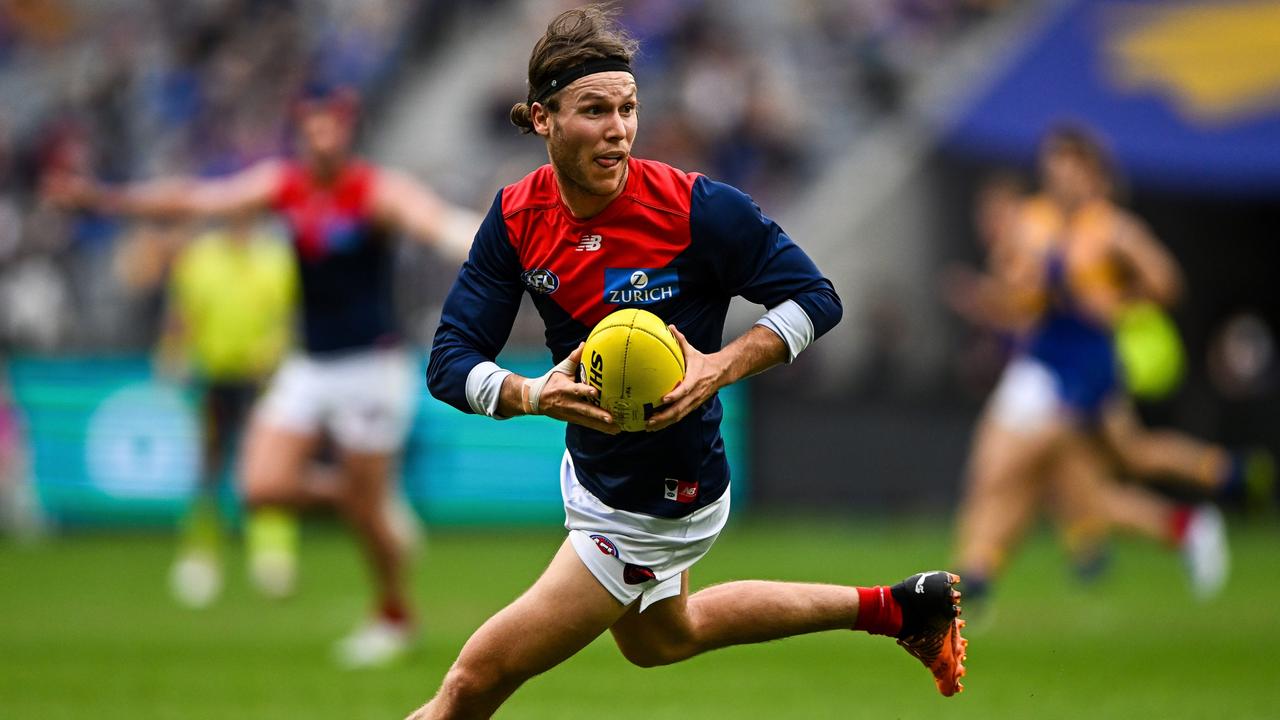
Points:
(540, 116)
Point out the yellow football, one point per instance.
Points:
(632, 360)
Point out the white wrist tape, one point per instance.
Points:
(531, 391)
(484, 386)
(790, 322)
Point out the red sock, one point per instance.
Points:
(878, 612)
(1178, 523)
(393, 611)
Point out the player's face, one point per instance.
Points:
(589, 138)
(1067, 177)
(326, 135)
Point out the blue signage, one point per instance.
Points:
(1186, 94)
(640, 286)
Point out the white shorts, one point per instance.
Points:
(365, 400)
(635, 555)
(1026, 399)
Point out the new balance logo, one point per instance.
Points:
(680, 490)
(589, 243)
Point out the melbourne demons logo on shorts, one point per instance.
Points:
(606, 545)
(633, 574)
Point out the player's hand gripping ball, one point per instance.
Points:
(633, 360)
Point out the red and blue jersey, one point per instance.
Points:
(344, 258)
(677, 244)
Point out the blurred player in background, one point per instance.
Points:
(641, 508)
(229, 323)
(351, 378)
(1065, 267)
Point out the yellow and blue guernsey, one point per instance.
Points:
(236, 301)
(1081, 294)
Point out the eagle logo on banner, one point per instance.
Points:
(1218, 62)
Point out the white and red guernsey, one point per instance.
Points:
(677, 244)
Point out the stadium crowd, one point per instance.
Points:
(759, 94)
(207, 88)
(100, 89)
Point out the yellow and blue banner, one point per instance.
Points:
(1186, 93)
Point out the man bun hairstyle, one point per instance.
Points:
(574, 37)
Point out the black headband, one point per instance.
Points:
(590, 67)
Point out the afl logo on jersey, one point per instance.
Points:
(541, 281)
(605, 544)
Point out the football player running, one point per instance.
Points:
(1064, 267)
(351, 380)
(632, 539)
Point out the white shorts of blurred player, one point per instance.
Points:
(1025, 400)
(364, 400)
(635, 555)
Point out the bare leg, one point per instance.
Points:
(368, 478)
(565, 610)
(273, 466)
(1140, 511)
(219, 422)
(323, 485)
(735, 613)
(540, 630)
(1079, 482)
(1091, 501)
(1002, 492)
(1168, 454)
(195, 577)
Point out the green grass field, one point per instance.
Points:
(87, 630)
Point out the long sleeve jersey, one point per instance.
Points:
(676, 244)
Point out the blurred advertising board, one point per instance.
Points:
(112, 445)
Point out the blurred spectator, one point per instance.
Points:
(35, 304)
(761, 93)
(758, 93)
(1242, 357)
(192, 88)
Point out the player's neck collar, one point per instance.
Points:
(607, 206)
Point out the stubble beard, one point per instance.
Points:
(576, 173)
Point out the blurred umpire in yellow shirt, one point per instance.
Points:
(229, 323)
